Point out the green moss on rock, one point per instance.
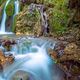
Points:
(28, 23)
(58, 16)
(10, 9)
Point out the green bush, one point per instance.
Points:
(59, 16)
(10, 9)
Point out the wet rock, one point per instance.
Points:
(1, 53)
(52, 53)
(59, 48)
(70, 61)
(20, 75)
(10, 59)
(71, 67)
(7, 43)
(8, 24)
(1, 67)
(61, 38)
(5, 59)
(9, 54)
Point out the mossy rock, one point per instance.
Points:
(28, 23)
(10, 9)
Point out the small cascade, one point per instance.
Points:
(2, 30)
(38, 63)
(16, 7)
(3, 22)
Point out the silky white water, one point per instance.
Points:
(37, 63)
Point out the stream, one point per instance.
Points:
(32, 60)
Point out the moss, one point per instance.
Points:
(14, 24)
(58, 16)
(10, 9)
(1, 2)
(26, 21)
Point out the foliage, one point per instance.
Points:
(1, 2)
(59, 16)
(10, 9)
(33, 16)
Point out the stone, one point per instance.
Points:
(61, 38)
(59, 48)
(71, 52)
(1, 53)
(4, 59)
(71, 48)
(52, 53)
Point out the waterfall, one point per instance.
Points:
(44, 18)
(16, 3)
(36, 63)
(2, 30)
(3, 22)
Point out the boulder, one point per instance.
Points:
(5, 59)
(28, 23)
(52, 53)
(71, 52)
(71, 48)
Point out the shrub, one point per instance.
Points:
(59, 16)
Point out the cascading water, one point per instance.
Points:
(2, 30)
(3, 22)
(16, 7)
(38, 63)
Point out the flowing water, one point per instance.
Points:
(2, 30)
(4, 16)
(35, 63)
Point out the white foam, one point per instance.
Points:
(1, 33)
